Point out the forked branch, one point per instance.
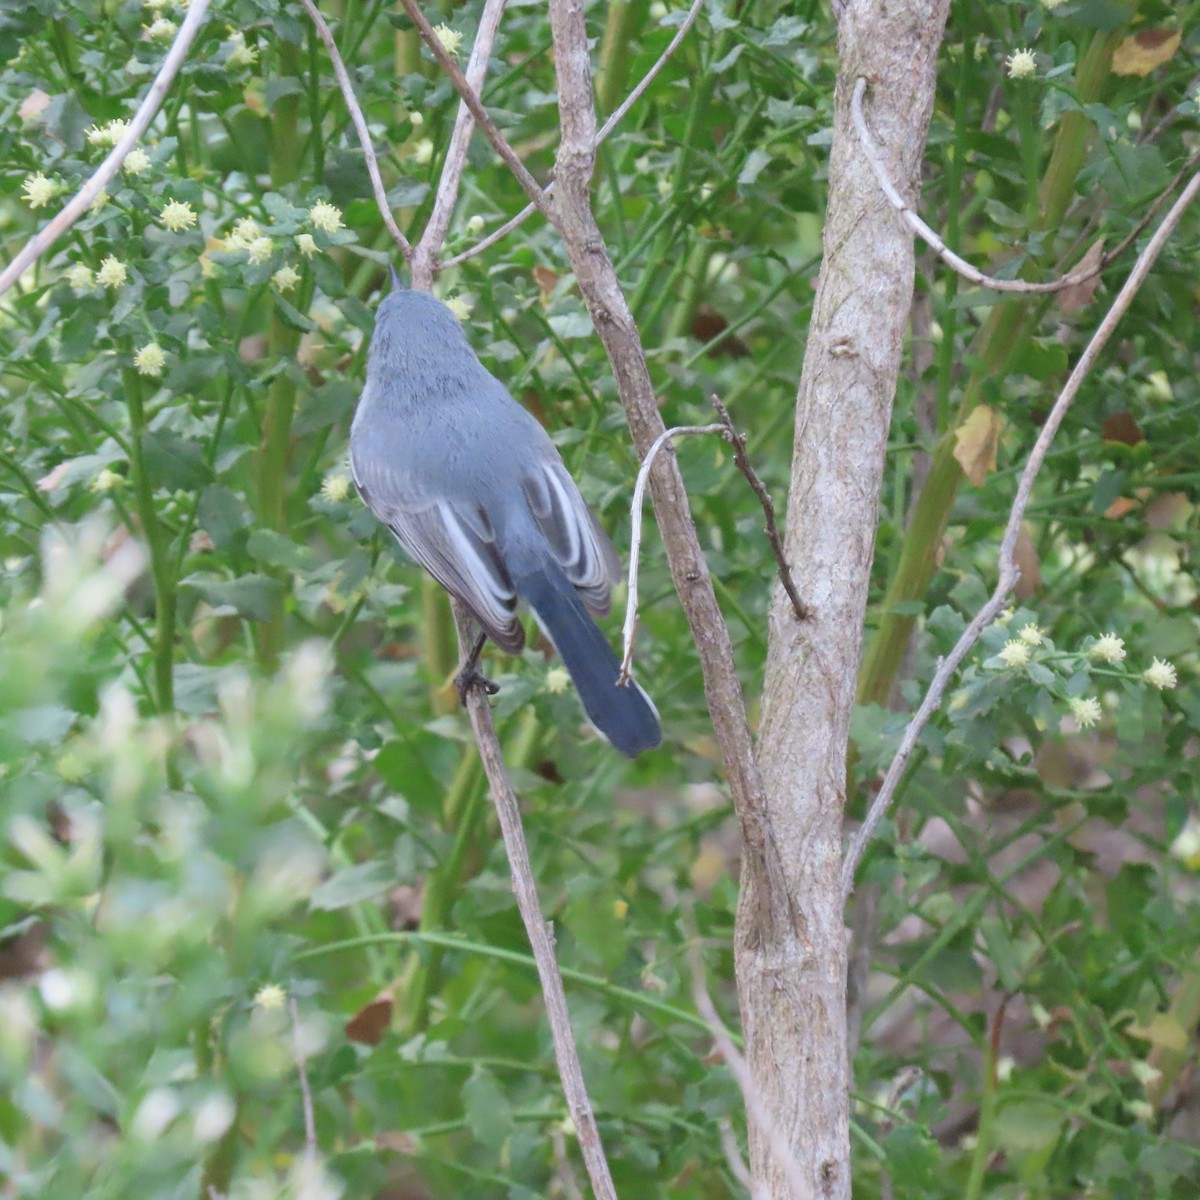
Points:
(1008, 571)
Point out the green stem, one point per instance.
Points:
(275, 449)
(613, 69)
(157, 542)
(987, 1117)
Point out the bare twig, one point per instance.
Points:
(82, 200)
(635, 535)
(757, 1111)
(964, 268)
(767, 898)
(562, 1165)
(434, 236)
(360, 126)
(310, 1124)
(613, 121)
(499, 142)
(738, 442)
(639, 91)
(1009, 572)
(734, 1159)
(541, 938)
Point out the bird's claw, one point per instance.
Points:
(471, 676)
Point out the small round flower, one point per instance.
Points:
(1145, 1073)
(242, 234)
(1014, 653)
(475, 225)
(1109, 649)
(306, 244)
(150, 360)
(1085, 710)
(160, 29)
(1021, 64)
(107, 481)
(260, 250)
(1140, 1110)
(325, 216)
(1160, 674)
(557, 680)
(100, 201)
(417, 119)
(177, 215)
(422, 152)
(1186, 846)
(336, 487)
(1031, 635)
(1005, 617)
(80, 277)
(270, 997)
(285, 278)
(451, 39)
(459, 307)
(137, 162)
(72, 765)
(39, 190)
(240, 55)
(108, 135)
(112, 273)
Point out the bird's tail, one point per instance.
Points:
(624, 715)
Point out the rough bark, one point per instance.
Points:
(792, 986)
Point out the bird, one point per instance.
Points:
(474, 490)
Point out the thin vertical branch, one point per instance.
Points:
(609, 309)
(1009, 572)
(434, 236)
(360, 126)
(538, 930)
(469, 96)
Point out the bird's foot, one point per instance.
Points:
(471, 676)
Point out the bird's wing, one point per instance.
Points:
(457, 547)
(579, 545)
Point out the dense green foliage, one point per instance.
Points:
(234, 776)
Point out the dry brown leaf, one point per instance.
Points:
(1142, 52)
(370, 1023)
(1079, 295)
(546, 280)
(1119, 507)
(975, 443)
(1121, 427)
(1029, 564)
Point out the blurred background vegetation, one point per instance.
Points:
(242, 817)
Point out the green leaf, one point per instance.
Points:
(753, 167)
(913, 1160)
(255, 597)
(273, 549)
(353, 885)
(292, 316)
(488, 1113)
(174, 462)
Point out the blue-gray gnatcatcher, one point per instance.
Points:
(476, 492)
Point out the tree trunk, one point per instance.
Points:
(792, 983)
